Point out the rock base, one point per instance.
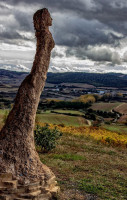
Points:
(10, 189)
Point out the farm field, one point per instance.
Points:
(53, 118)
(119, 128)
(122, 108)
(105, 106)
(59, 111)
(68, 111)
(123, 119)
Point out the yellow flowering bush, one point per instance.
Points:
(99, 134)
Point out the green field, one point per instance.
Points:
(119, 128)
(105, 106)
(62, 111)
(53, 118)
(68, 111)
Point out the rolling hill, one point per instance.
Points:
(99, 80)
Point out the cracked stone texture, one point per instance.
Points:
(17, 149)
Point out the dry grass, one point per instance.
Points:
(83, 167)
(123, 119)
(105, 106)
(122, 108)
(86, 169)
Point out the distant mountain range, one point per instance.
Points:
(99, 80)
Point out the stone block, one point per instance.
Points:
(4, 197)
(55, 191)
(44, 196)
(10, 184)
(30, 195)
(10, 191)
(32, 186)
(17, 198)
(21, 189)
(6, 176)
(2, 189)
(33, 189)
(51, 180)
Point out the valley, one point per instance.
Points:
(90, 158)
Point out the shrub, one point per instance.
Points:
(46, 138)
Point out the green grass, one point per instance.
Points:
(3, 111)
(69, 157)
(46, 112)
(68, 111)
(87, 186)
(119, 128)
(53, 118)
(82, 165)
(59, 111)
(3, 116)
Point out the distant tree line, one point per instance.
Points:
(105, 80)
(96, 79)
(63, 105)
(5, 103)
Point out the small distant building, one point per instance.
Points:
(101, 92)
(56, 89)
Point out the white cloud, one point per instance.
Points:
(84, 41)
(116, 58)
(15, 67)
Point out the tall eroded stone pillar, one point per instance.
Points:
(18, 157)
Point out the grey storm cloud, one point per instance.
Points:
(80, 32)
(125, 57)
(23, 20)
(79, 25)
(98, 54)
(106, 11)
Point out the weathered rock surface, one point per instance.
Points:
(11, 190)
(17, 149)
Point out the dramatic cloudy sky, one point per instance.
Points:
(90, 35)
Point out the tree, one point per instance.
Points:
(46, 138)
